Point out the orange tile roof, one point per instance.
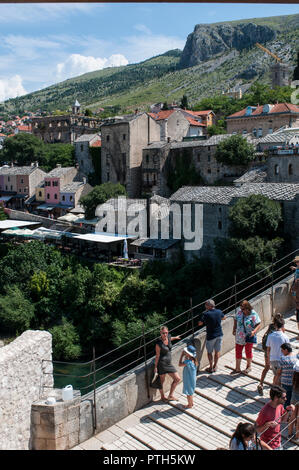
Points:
(98, 143)
(194, 123)
(201, 113)
(162, 114)
(277, 108)
(24, 128)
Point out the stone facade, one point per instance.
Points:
(283, 167)
(263, 120)
(25, 376)
(82, 153)
(63, 129)
(122, 144)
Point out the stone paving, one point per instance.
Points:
(221, 401)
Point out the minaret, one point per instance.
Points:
(76, 107)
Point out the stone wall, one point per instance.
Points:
(24, 378)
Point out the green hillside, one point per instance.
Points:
(159, 79)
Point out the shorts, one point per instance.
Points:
(288, 389)
(248, 350)
(275, 366)
(214, 344)
(295, 398)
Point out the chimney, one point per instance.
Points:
(36, 164)
(84, 180)
(58, 165)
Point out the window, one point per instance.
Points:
(6, 187)
(20, 190)
(81, 147)
(276, 170)
(147, 158)
(63, 198)
(40, 194)
(260, 132)
(209, 158)
(71, 198)
(124, 158)
(48, 196)
(108, 176)
(22, 181)
(55, 196)
(290, 169)
(8, 178)
(254, 132)
(124, 136)
(11, 187)
(209, 171)
(219, 225)
(107, 138)
(198, 157)
(54, 183)
(270, 130)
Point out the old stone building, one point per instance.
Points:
(65, 128)
(160, 159)
(263, 120)
(216, 202)
(83, 154)
(178, 123)
(122, 142)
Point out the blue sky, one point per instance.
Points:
(43, 44)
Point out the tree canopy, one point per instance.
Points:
(99, 195)
(235, 150)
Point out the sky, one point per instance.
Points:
(43, 44)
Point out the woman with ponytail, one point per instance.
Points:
(244, 438)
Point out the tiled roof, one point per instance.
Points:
(86, 137)
(254, 175)
(59, 171)
(97, 143)
(162, 114)
(276, 108)
(277, 137)
(18, 170)
(71, 187)
(225, 194)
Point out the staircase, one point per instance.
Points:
(221, 401)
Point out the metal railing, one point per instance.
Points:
(111, 366)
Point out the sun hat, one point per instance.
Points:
(190, 350)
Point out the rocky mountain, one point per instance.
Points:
(207, 41)
(216, 57)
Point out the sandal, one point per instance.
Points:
(235, 371)
(260, 390)
(209, 370)
(247, 370)
(171, 399)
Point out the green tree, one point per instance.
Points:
(88, 112)
(65, 341)
(3, 216)
(235, 150)
(39, 285)
(16, 312)
(53, 154)
(184, 102)
(99, 195)
(23, 149)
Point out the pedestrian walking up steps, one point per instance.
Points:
(221, 401)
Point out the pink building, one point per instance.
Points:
(55, 180)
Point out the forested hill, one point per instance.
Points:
(216, 57)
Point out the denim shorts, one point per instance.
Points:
(214, 344)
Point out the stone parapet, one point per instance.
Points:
(56, 426)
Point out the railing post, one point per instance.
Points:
(146, 370)
(94, 391)
(235, 289)
(192, 317)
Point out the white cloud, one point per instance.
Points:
(143, 47)
(142, 28)
(77, 64)
(11, 88)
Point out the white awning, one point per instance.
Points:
(9, 223)
(101, 237)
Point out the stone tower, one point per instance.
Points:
(76, 107)
(280, 74)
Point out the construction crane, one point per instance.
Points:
(268, 52)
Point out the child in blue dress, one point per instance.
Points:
(189, 362)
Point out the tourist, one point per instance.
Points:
(244, 438)
(271, 416)
(163, 363)
(294, 420)
(266, 369)
(274, 343)
(295, 288)
(211, 318)
(189, 362)
(285, 371)
(246, 325)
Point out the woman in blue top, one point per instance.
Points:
(189, 362)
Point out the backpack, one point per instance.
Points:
(270, 330)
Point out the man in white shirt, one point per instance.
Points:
(273, 344)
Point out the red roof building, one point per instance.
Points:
(264, 119)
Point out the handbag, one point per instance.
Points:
(248, 338)
(155, 381)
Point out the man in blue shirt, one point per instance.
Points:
(212, 318)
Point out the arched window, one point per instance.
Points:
(290, 169)
(276, 170)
